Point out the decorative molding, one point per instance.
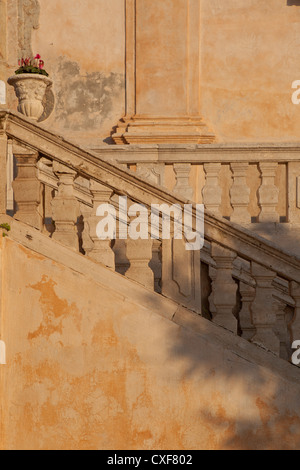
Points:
(90, 165)
(162, 130)
(183, 126)
(154, 172)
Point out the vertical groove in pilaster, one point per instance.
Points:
(130, 56)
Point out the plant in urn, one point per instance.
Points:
(30, 83)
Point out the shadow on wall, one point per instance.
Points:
(267, 419)
(126, 367)
(264, 422)
(241, 406)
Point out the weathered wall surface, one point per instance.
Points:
(88, 370)
(249, 59)
(84, 50)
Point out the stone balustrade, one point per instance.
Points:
(245, 183)
(240, 191)
(250, 287)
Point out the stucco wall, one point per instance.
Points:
(84, 50)
(249, 60)
(250, 57)
(87, 370)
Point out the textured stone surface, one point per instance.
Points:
(246, 71)
(121, 376)
(30, 90)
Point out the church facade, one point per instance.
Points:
(126, 343)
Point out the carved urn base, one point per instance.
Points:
(30, 90)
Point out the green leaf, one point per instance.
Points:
(31, 69)
(6, 227)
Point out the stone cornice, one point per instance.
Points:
(197, 154)
(242, 241)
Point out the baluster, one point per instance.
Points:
(182, 187)
(10, 178)
(65, 207)
(295, 325)
(212, 273)
(224, 288)
(156, 264)
(139, 254)
(247, 296)
(281, 329)
(101, 250)
(49, 181)
(263, 313)
(3, 162)
(240, 194)
(212, 191)
(122, 263)
(27, 188)
(268, 193)
(87, 242)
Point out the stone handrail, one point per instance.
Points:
(239, 280)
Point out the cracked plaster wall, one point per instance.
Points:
(249, 53)
(84, 53)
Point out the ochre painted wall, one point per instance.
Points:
(83, 45)
(250, 58)
(86, 370)
(249, 51)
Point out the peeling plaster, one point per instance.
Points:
(29, 14)
(84, 101)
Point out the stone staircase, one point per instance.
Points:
(97, 361)
(239, 280)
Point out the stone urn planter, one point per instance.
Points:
(30, 89)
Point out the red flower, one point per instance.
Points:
(41, 64)
(37, 56)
